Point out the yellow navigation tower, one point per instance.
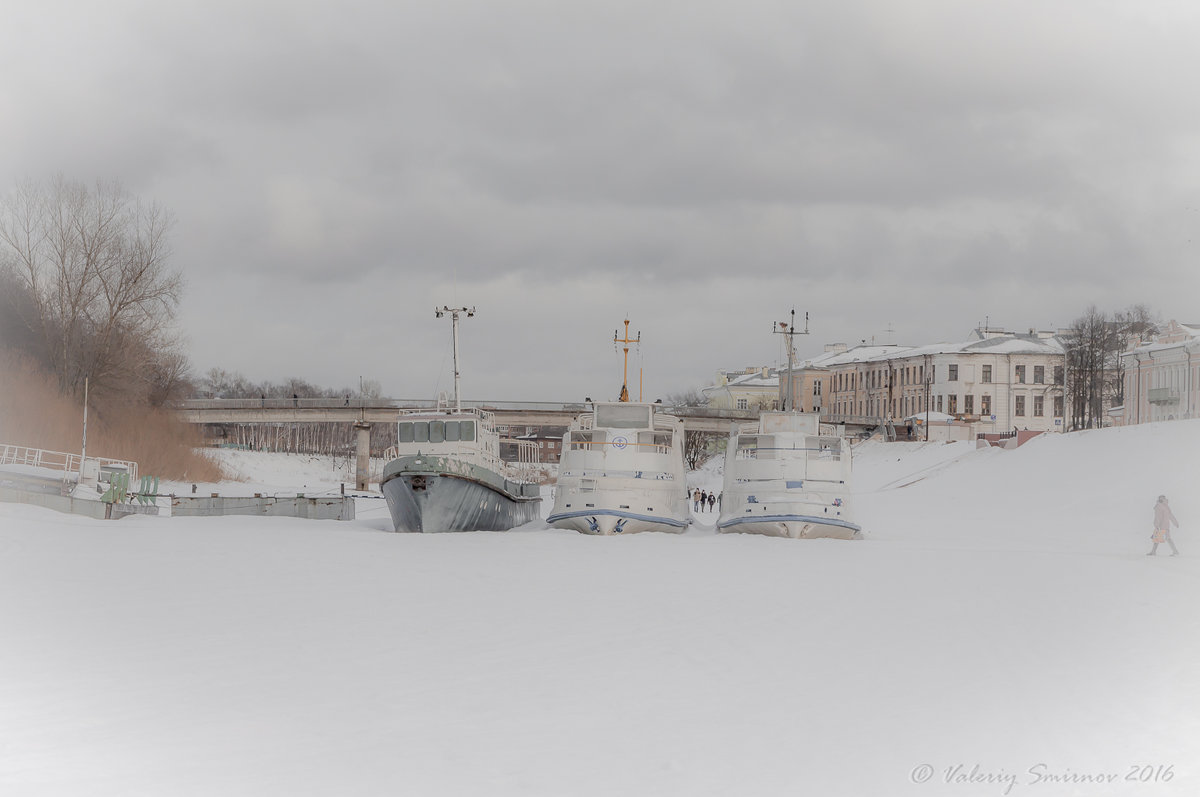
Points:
(625, 378)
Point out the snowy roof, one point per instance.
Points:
(756, 379)
(1001, 344)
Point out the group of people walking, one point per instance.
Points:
(703, 501)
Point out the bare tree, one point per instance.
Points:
(94, 261)
(698, 447)
(1134, 324)
(1094, 343)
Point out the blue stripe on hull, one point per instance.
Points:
(674, 523)
(823, 521)
(815, 520)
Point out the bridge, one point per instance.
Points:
(387, 410)
(363, 412)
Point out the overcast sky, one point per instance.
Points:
(899, 170)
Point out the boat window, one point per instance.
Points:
(654, 442)
(452, 431)
(405, 434)
(622, 416)
(437, 431)
(824, 447)
(421, 432)
(586, 440)
(466, 430)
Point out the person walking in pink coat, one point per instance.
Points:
(1163, 518)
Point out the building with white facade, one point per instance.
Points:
(998, 381)
(1162, 376)
(750, 388)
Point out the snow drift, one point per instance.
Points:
(999, 622)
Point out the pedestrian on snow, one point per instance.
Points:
(712, 499)
(295, 400)
(1163, 518)
(696, 501)
(703, 499)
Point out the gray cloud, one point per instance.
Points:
(338, 169)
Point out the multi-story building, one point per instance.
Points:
(999, 381)
(751, 388)
(1162, 376)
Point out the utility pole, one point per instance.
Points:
(470, 311)
(788, 330)
(83, 454)
(928, 379)
(625, 376)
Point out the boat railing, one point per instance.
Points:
(776, 452)
(527, 465)
(619, 445)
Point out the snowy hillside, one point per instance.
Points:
(999, 625)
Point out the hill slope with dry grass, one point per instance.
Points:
(33, 413)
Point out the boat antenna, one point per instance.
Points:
(788, 330)
(625, 377)
(454, 311)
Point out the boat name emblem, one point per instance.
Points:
(620, 442)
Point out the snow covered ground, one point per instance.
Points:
(999, 631)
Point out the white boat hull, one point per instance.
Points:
(785, 479)
(622, 480)
(796, 527)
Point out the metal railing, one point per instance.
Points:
(57, 460)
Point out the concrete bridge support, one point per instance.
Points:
(362, 467)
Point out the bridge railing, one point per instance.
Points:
(369, 404)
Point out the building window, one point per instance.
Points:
(987, 373)
(1020, 374)
(953, 377)
(939, 409)
(1058, 406)
(952, 403)
(1058, 374)
(1020, 402)
(933, 373)
(985, 405)
(742, 404)
(1039, 406)
(969, 404)
(1039, 376)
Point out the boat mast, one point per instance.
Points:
(788, 330)
(470, 311)
(625, 377)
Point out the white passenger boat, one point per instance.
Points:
(621, 471)
(447, 473)
(784, 478)
(621, 468)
